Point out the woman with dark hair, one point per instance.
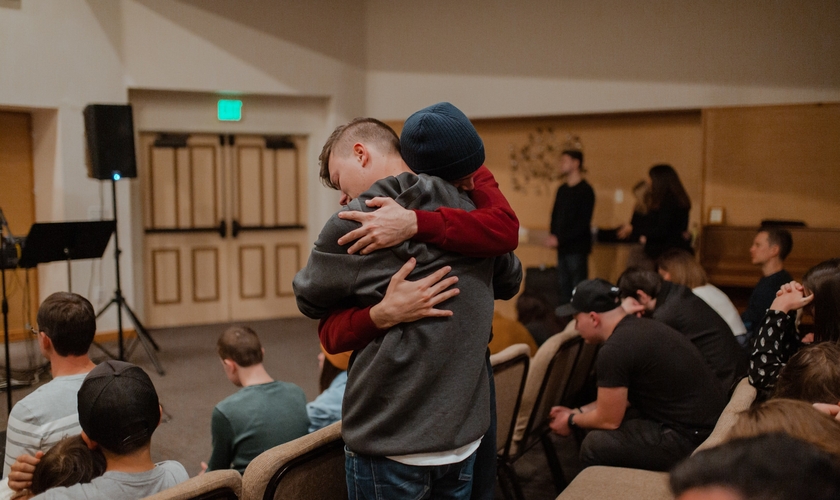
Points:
(777, 339)
(667, 221)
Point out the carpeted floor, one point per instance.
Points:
(194, 382)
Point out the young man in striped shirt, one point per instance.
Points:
(66, 326)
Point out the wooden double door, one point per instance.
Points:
(224, 232)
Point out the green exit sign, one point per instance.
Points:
(229, 110)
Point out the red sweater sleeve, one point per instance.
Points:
(347, 330)
(490, 230)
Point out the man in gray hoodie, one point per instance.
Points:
(417, 398)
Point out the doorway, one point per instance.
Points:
(17, 200)
(223, 226)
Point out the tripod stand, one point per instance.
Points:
(149, 345)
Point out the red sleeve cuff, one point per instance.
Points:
(431, 227)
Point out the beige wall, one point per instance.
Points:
(550, 57)
(388, 59)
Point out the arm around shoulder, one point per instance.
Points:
(491, 230)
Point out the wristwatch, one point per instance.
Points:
(571, 421)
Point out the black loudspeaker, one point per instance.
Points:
(110, 141)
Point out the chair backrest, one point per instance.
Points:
(509, 370)
(584, 366)
(548, 377)
(741, 399)
(213, 485)
(308, 468)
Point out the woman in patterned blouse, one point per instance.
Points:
(778, 339)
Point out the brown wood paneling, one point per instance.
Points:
(774, 162)
(205, 208)
(287, 264)
(725, 253)
(252, 271)
(166, 276)
(250, 185)
(287, 186)
(205, 274)
(162, 185)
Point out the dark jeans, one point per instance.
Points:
(572, 268)
(380, 478)
(484, 473)
(638, 444)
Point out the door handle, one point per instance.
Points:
(222, 228)
(235, 228)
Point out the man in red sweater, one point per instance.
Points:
(490, 230)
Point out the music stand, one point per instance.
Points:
(54, 241)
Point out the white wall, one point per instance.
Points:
(547, 57)
(57, 57)
(388, 58)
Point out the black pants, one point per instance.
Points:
(484, 471)
(639, 443)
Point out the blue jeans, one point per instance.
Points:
(572, 268)
(380, 478)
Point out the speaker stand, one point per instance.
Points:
(146, 340)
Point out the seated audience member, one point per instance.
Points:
(507, 332)
(812, 375)
(119, 411)
(67, 463)
(769, 250)
(263, 414)
(657, 398)
(795, 418)
(326, 408)
(533, 312)
(767, 467)
(66, 326)
(680, 267)
(677, 307)
(777, 338)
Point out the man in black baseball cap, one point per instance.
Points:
(118, 412)
(657, 397)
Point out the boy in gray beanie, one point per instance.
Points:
(417, 399)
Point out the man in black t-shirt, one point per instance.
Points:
(657, 398)
(571, 219)
(678, 307)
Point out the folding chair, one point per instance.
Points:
(213, 485)
(308, 468)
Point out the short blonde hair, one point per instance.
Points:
(367, 130)
(795, 418)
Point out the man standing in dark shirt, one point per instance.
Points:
(570, 224)
(678, 307)
(770, 248)
(657, 398)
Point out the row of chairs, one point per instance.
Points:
(312, 467)
(308, 468)
(526, 390)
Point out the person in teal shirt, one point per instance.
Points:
(263, 414)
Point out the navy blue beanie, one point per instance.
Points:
(441, 141)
